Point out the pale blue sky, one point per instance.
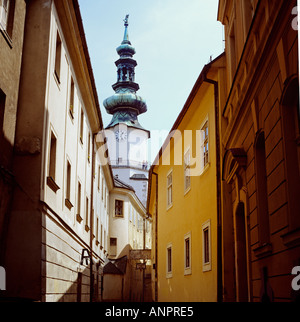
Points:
(173, 39)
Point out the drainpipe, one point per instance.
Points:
(219, 222)
(156, 229)
(92, 217)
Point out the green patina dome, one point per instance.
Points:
(125, 105)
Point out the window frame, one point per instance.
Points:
(187, 170)
(169, 261)
(169, 188)
(206, 265)
(120, 208)
(205, 141)
(188, 268)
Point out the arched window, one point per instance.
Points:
(291, 138)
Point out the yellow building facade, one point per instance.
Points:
(183, 199)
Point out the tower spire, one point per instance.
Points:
(125, 105)
(126, 35)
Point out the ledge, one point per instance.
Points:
(292, 238)
(78, 218)
(6, 36)
(263, 250)
(68, 204)
(52, 184)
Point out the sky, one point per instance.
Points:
(173, 39)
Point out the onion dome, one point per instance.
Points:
(125, 105)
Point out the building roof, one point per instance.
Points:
(116, 267)
(138, 177)
(120, 184)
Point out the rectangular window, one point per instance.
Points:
(169, 261)
(52, 159)
(205, 144)
(113, 246)
(2, 109)
(72, 96)
(130, 213)
(87, 214)
(187, 255)
(97, 229)
(79, 199)
(170, 189)
(101, 237)
(206, 242)
(4, 9)
(68, 186)
(7, 12)
(81, 126)
(232, 52)
(187, 171)
(89, 148)
(58, 57)
(99, 177)
(119, 204)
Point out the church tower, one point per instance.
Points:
(127, 139)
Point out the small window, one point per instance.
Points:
(79, 199)
(187, 171)
(89, 148)
(205, 144)
(113, 242)
(187, 255)
(72, 98)
(87, 214)
(52, 159)
(97, 229)
(81, 126)
(170, 189)
(232, 52)
(101, 236)
(169, 261)
(119, 208)
(68, 186)
(206, 240)
(7, 8)
(2, 109)
(99, 177)
(58, 57)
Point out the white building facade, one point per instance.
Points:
(60, 215)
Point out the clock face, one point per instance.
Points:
(121, 135)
